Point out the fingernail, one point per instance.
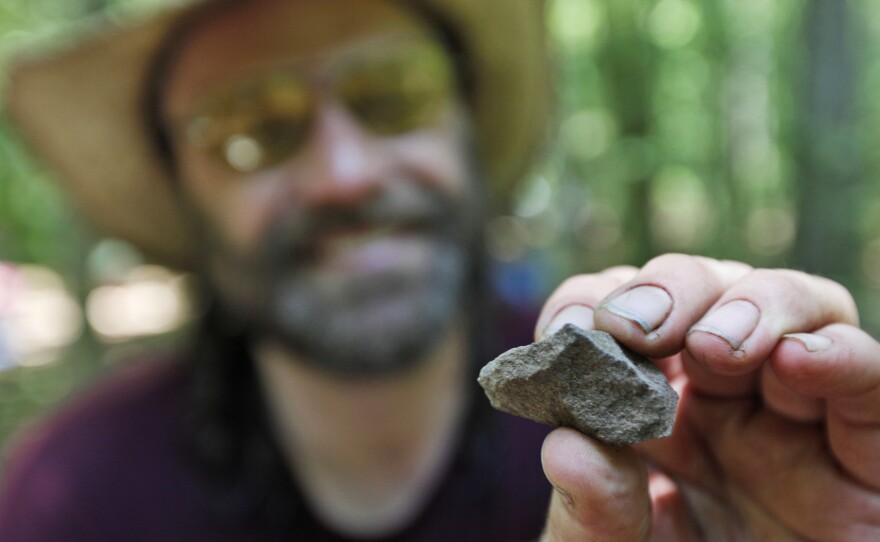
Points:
(578, 315)
(733, 322)
(811, 341)
(646, 306)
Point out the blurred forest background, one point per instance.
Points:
(731, 128)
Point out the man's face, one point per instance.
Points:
(322, 149)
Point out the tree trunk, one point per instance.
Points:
(829, 169)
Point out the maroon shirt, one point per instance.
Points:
(112, 465)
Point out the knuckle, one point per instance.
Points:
(704, 269)
(793, 287)
(674, 260)
(586, 289)
(736, 265)
(592, 284)
(620, 273)
(848, 303)
(732, 270)
(795, 284)
(577, 282)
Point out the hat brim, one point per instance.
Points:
(82, 109)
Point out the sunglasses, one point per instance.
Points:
(259, 122)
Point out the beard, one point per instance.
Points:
(378, 320)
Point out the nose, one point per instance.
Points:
(344, 163)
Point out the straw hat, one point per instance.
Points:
(82, 110)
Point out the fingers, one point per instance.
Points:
(725, 348)
(601, 491)
(786, 471)
(727, 316)
(782, 399)
(747, 322)
(796, 452)
(840, 365)
(653, 312)
(576, 298)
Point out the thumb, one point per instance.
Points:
(601, 491)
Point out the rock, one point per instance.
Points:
(585, 380)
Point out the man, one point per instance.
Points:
(330, 159)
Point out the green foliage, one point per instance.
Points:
(672, 120)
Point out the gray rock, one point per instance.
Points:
(585, 380)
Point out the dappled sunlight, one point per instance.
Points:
(770, 230)
(674, 23)
(39, 316)
(150, 300)
(683, 217)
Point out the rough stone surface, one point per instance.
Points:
(585, 380)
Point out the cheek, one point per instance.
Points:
(252, 205)
(236, 207)
(438, 157)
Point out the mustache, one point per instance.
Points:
(406, 206)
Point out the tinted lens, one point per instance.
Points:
(254, 125)
(261, 122)
(393, 92)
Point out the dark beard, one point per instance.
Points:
(374, 325)
(377, 326)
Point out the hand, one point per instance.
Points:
(777, 435)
